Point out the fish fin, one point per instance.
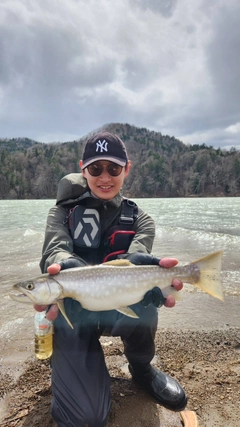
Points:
(210, 274)
(60, 305)
(119, 263)
(127, 311)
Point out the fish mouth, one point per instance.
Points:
(25, 296)
(20, 298)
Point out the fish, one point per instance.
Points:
(117, 284)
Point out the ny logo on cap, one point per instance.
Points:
(101, 145)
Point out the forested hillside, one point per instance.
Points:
(162, 166)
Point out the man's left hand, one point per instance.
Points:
(176, 283)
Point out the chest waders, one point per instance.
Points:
(80, 379)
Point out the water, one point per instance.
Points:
(185, 228)
(191, 228)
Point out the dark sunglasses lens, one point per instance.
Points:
(94, 169)
(114, 170)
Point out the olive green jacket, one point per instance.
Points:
(58, 244)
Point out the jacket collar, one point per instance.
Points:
(73, 189)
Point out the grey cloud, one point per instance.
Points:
(47, 58)
(166, 65)
(138, 72)
(165, 7)
(224, 62)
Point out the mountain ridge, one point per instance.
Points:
(162, 166)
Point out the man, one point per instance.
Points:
(92, 223)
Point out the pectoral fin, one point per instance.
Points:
(60, 305)
(128, 312)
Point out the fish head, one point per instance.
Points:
(42, 290)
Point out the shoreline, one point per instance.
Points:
(199, 311)
(195, 311)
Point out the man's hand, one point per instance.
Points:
(53, 309)
(176, 283)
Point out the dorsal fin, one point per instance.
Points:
(119, 263)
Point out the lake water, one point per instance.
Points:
(185, 228)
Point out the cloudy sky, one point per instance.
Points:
(68, 67)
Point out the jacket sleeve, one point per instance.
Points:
(145, 233)
(58, 244)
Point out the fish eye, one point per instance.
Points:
(30, 286)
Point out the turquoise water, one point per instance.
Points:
(185, 228)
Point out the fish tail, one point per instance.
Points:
(210, 274)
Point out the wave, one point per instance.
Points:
(32, 232)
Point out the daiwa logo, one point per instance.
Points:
(101, 145)
(87, 230)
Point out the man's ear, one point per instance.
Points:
(83, 170)
(127, 168)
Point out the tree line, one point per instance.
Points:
(162, 166)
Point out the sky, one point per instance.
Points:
(69, 67)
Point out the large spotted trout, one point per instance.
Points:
(117, 284)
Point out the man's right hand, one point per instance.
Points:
(53, 310)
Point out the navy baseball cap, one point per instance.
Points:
(104, 146)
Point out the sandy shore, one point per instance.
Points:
(201, 351)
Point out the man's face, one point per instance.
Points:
(105, 186)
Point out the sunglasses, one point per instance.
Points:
(96, 169)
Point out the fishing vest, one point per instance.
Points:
(85, 230)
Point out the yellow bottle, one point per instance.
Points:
(43, 336)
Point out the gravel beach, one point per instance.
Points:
(207, 364)
(202, 351)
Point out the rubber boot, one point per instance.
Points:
(165, 390)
